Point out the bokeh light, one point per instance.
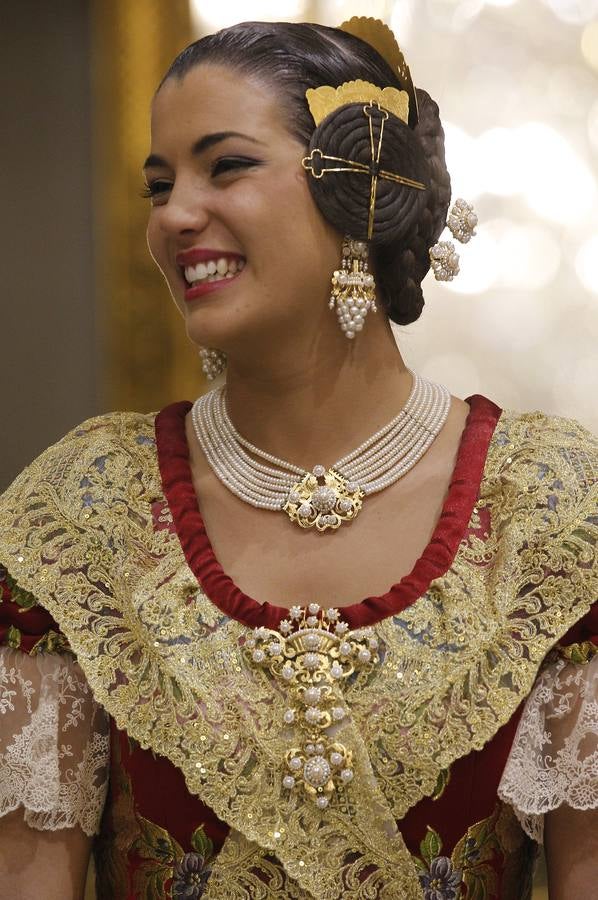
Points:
(589, 45)
(529, 256)
(593, 125)
(573, 12)
(586, 264)
(479, 265)
(558, 184)
(212, 16)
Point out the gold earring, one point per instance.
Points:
(353, 288)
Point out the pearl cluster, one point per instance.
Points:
(313, 651)
(213, 362)
(353, 288)
(462, 221)
(273, 483)
(444, 260)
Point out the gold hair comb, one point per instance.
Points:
(379, 36)
(324, 100)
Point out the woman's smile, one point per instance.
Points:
(207, 270)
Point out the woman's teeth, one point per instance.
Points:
(213, 270)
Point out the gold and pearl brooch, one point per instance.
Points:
(312, 653)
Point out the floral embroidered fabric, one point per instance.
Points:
(170, 665)
(554, 758)
(54, 742)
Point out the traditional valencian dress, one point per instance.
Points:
(480, 715)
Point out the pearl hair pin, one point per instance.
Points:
(322, 498)
(461, 223)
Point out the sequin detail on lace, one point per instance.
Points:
(172, 669)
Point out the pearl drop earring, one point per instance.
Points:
(213, 362)
(353, 288)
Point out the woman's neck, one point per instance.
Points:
(306, 411)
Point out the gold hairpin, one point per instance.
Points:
(314, 163)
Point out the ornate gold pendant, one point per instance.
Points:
(312, 652)
(323, 499)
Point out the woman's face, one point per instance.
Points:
(233, 227)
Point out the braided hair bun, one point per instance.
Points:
(344, 197)
(401, 267)
(407, 221)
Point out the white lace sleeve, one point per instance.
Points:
(54, 742)
(554, 757)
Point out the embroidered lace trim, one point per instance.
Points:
(54, 743)
(554, 758)
(76, 530)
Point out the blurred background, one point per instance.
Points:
(86, 323)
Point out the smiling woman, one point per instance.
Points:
(387, 691)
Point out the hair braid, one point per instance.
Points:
(401, 267)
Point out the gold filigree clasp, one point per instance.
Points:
(323, 499)
(312, 652)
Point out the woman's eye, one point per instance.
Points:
(155, 189)
(230, 163)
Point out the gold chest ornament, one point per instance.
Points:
(313, 653)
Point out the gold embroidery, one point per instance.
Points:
(51, 642)
(578, 653)
(173, 674)
(24, 599)
(13, 638)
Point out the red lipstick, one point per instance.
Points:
(201, 255)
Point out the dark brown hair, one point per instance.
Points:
(292, 57)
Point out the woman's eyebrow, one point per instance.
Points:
(200, 146)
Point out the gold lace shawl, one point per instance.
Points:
(76, 530)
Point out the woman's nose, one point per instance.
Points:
(185, 210)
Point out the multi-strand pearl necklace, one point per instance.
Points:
(321, 498)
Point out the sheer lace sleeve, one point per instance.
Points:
(554, 757)
(54, 742)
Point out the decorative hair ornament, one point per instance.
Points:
(462, 221)
(316, 162)
(444, 258)
(379, 36)
(324, 100)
